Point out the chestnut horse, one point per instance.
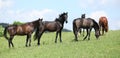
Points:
(52, 26)
(24, 29)
(103, 23)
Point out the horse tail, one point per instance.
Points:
(107, 26)
(74, 26)
(36, 34)
(5, 33)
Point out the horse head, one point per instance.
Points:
(64, 16)
(83, 16)
(40, 21)
(97, 33)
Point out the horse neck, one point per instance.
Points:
(35, 23)
(96, 26)
(62, 20)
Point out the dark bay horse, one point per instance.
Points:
(52, 26)
(86, 23)
(24, 29)
(103, 23)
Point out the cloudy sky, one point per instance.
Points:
(30, 10)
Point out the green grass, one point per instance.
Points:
(108, 46)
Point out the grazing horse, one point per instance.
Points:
(103, 23)
(24, 29)
(86, 23)
(52, 26)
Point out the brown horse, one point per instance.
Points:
(24, 29)
(52, 26)
(86, 23)
(103, 23)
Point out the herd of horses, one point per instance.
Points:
(39, 27)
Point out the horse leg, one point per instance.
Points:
(60, 36)
(89, 33)
(102, 30)
(83, 32)
(56, 37)
(80, 31)
(10, 41)
(86, 34)
(39, 37)
(30, 40)
(27, 40)
(75, 31)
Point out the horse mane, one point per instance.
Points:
(57, 19)
(62, 14)
(96, 24)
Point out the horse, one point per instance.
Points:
(103, 23)
(86, 23)
(52, 26)
(24, 29)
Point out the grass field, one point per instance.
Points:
(108, 46)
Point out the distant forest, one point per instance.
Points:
(18, 23)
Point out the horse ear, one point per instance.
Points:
(42, 19)
(66, 12)
(38, 18)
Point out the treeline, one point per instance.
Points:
(3, 25)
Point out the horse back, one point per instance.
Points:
(25, 29)
(103, 21)
(87, 22)
(83, 22)
(77, 22)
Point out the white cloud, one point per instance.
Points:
(113, 24)
(27, 16)
(5, 3)
(42, 13)
(98, 3)
(103, 2)
(97, 14)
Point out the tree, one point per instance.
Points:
(1, 31)
(17, 23)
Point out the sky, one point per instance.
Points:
(30, 10)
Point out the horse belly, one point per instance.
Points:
(51, 27)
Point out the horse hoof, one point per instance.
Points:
(60, 41)
(55, 41)
(83, 39)
(26, 45)
(38, 44)
(76, 40)
(29, 45)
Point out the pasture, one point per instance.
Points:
(108, 46)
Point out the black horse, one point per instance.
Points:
(52, 26)
(24, 29)
(86, 23)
